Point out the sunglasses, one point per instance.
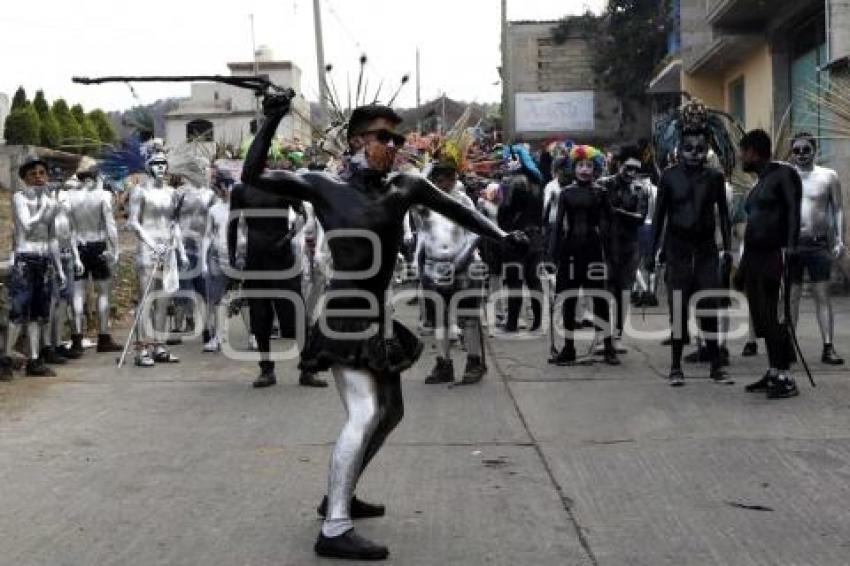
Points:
(804, 150)
(691, 148)
(386, 136)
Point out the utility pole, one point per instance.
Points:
(256, 70)
(507, 113)
(418, 101)
(320, 60)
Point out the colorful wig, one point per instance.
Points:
(587, 153)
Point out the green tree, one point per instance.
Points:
(104, 127)
(629, 41)
(20, 98)
(90, 140)
(50, 131)
(71, 131)
(22, 126)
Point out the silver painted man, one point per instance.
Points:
(821, 237)
(197, 198)
(37, 262)
(96, 235)
(447, 254)
(154, 206)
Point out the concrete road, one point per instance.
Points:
(187, 464)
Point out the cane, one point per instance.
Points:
(140, 309)
(789, 322)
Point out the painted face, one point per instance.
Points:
(630, 169)
(803, 153)
(694, 150)
(158, 169)
(36, 176)
(585, 171)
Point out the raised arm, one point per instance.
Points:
(253, 170)
(426, 194)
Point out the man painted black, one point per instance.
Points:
(770, 241)
(269, 248)
(690, 195)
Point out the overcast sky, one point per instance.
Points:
(44, 43)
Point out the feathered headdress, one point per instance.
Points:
(452, 151)
(723, 133)
(334, 140)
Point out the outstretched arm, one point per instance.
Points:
(423, 192)
(279, 182)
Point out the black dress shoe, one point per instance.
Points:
(759, 386)
(106, 344)
(359, 509)
(830, 357)
(781, 388)
(565, 357)
(750, 349)
(676, 378)
(443, 372)
(351, 546)
(36, 368)
(265, 379)
(720, 376)
(307, 379)
(50, 356)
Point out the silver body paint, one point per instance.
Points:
(194, 212)
(90, 209)
(821, 215)
(34, 211)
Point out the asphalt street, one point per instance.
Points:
(186, 464)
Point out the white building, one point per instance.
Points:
(227, 114)
(4, 112)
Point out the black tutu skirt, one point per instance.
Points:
(381, 353)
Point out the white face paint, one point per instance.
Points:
(584, 171)
(158, 169)
(803, 153)
(694, 150)
(630, 169)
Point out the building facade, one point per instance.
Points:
(227, 114)
(762, 61)
(551, 90)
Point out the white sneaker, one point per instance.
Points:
(212, 346)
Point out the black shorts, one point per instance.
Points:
(30, 289)
(94, 264)
(814, 257)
